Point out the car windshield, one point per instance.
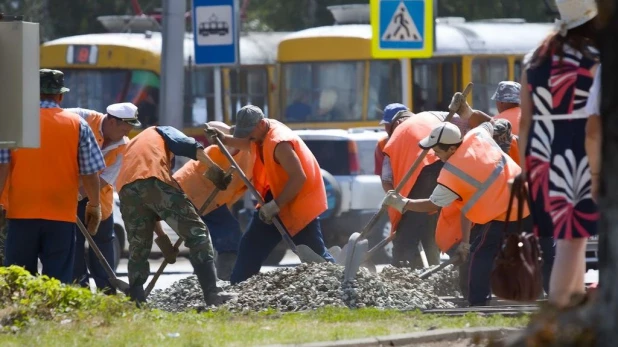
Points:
(333, 155)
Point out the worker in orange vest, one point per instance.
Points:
(111, 131)
(475, 179)
(389, 112)
(44, 186)
(507, 102)
(413, 227)
(148, 193)
(288, 177)
(224, 229)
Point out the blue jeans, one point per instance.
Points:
(104, 239)
(261, 238)
(224, 230)
(51, 241)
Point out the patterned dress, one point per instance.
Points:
(558, 172)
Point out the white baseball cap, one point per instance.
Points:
(445, 133)
(574, 13)
(124, 111)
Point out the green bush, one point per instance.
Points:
(24, 297)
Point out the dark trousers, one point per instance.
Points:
(224, 230)
(261, 238)
(51, 241)
(104, 239)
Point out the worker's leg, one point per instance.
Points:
(255, 246)
(483, 250)
(3, 232)
(80, 271)
(139, 221)
(405, 243)
(311, 236)
(23, 243)
(104, 239)
(427, 232)
(173, 206)
(225, 234)
(462, 268)
(58, 250)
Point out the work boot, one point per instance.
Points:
(207, 277)
(165, 245)
(138, 295)
(225, 264)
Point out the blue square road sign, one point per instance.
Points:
(215, 32)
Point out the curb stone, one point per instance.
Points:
(412, 338)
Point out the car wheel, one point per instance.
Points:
(277, 254)
(333, 195)
(381, 231)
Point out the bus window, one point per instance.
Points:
(322, 92)
(517, 70)
(248, 85)
(435, 82)
(96, 89)
(486, 74)
(384, 86)
(202, 96)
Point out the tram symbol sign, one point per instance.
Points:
(402, 28)
(215, 32)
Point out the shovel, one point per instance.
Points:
(205, 205)
(353, 261)
(113, 280)
(306, 254)
(438, 268)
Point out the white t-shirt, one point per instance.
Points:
(593, 105)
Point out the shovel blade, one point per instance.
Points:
(355, 256)
(340, 258)
(335, 252)
(307, 255)
(120, 285)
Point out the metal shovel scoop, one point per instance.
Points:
(113, 280)
(354, 259)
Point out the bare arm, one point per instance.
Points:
(525, 121)
(421, 205)
(477, 118)
(387, 174)
(92, 188)
(242, 144)
(287, 158)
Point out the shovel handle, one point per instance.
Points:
(108, 269)
(428, 273)
(280, 227)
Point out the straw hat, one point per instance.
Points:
(574, 13)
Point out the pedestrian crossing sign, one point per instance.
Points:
(402, 28)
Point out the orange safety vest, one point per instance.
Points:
(514, 150)
(311, 200)
(4, 198)
(479, 172)
(512, 115)
(197, 187)
(379, 155)
(448, 229)
(146, 156)
(45, 180)
(402, 149)
(111, 154)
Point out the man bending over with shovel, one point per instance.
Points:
(474, 179)
(288, 177)
(148, 193)
(223, 227)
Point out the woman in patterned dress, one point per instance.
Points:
(552, 132)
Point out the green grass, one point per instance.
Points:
(37, 311)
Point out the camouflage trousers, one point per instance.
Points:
(142, 203)
(4, 229)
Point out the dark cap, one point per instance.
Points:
(52, 82)
(247, 118)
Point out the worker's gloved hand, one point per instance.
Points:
(462, 252)
(213, 133)
(217, 176)
(459, 105)
(92, 218)
(394, 200)
(268, 211)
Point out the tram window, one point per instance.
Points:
(201, 96)
(486, 74)
(435, 81)
(384, 86)
(517, 70)
(322, 92)
(248, 85)
(95, 89)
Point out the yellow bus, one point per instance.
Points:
(101, 69)
(328, 78)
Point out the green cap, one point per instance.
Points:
(247, 118)
(52, 82)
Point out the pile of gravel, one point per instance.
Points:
(445, 282)
(307, 287)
